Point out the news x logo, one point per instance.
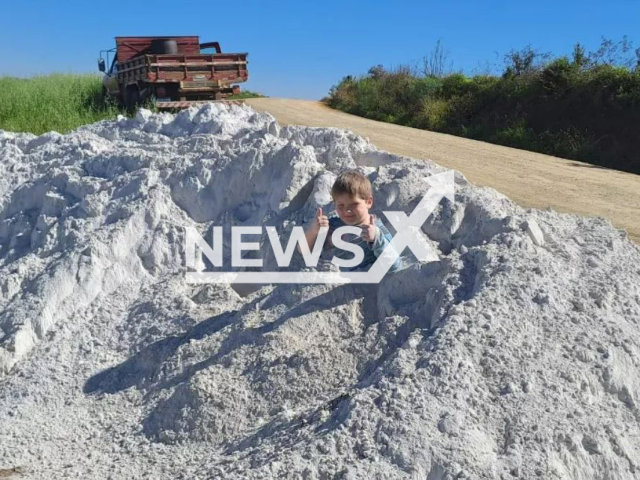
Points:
(408, 235)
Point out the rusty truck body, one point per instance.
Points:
(172, 72)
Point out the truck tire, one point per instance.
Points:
(131, 97)
(164, 46)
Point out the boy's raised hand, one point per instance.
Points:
(369, 230)
(321, 220)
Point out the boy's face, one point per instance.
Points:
(352, 209)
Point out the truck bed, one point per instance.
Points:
(191, 70)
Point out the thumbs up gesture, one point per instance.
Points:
(369, 230)
(321, 220)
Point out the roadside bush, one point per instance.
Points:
(559, 76)
(518, 136)
(455, 84)
(586, 107)
(432, 114)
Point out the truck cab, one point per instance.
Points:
(110, 78)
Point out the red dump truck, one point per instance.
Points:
(172, 72)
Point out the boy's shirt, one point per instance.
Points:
(372, 250)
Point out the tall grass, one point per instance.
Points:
(60, 102)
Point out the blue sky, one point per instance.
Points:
(300, 49)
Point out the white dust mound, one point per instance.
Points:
(517, 355)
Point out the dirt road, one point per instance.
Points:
(531, 179)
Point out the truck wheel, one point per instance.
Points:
(131, 97)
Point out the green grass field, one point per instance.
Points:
(60, 102)
(246, 94)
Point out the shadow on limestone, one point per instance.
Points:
(143, 367)
(256, 336)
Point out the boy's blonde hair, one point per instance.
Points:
(352, 183)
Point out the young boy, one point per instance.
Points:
(353, 197)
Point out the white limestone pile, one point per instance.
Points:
(514, 356)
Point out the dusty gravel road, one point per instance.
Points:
(531, 179)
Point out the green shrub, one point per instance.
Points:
(581, 108)
(432, 114)
(455, 84)
(426, 87)
(518, 136)
(559, 76)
